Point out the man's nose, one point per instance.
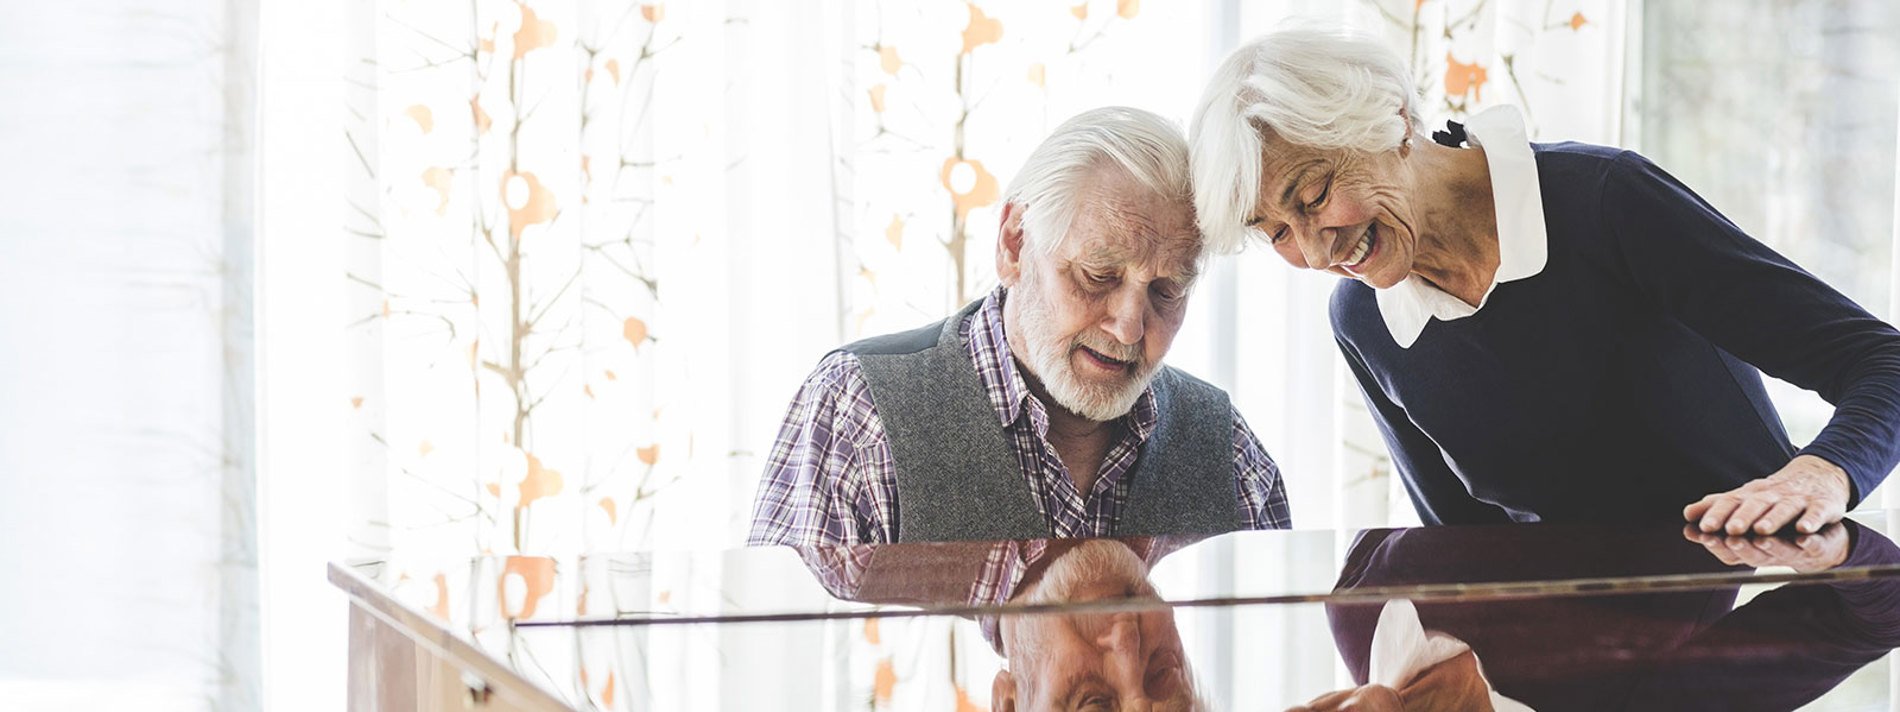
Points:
(1126, 311)
(1123, 633)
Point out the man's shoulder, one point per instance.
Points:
(837, 383)
(1181, 384)
(900, 343)
(919, 339)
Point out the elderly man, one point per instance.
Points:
(1043, 409)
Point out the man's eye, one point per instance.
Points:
(1279, 235)
(1099, 278)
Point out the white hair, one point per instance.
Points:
(1091, 562)
(1047, 190)
(1321, 88)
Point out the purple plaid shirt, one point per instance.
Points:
(832, 479)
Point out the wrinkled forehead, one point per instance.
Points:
(1282, 161)
(1285, 166)
(1124, 224)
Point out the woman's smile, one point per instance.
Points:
(1362, 252)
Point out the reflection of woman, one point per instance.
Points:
(1672, 650)
(1555, 332)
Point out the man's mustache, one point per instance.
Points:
(1118, 351)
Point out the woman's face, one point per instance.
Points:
(1342, 211)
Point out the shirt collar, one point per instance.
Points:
(1522, 242)
(1003, 381)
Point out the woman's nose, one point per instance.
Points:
(1316, 246)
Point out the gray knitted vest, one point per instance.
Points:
(958, 478)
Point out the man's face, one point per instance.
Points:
(1095, 661)
(1092, 319)
(1102, 662)
(1338, 211)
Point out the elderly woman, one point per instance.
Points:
(1544, 332)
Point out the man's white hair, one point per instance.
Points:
(1322, 88)
(1048, 189)
(1092, 562)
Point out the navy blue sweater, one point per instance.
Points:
(1620, 383)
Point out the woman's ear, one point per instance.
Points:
(1405, 144)
(1009, 245)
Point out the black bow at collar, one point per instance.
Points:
(1453, 135)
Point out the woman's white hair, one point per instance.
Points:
(1322, 88)
(1048, 189)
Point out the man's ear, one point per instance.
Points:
(1009, 246)
(1003, 692)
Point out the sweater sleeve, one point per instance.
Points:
(1436, 492)
(1701, 269)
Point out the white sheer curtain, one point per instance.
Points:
(127, 535)
(592, 246)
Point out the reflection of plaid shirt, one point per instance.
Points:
(848, 571)
(832, 479)
(843, 569)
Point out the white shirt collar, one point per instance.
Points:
(1522, 248)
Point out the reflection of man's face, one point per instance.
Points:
(1095, 661)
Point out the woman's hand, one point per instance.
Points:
(1368, 698)
(1806, 553)
(1809, 488)
(1454, 685)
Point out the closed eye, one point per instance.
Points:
(1275, 236)
(1325, 190)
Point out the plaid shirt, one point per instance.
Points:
(832, 479)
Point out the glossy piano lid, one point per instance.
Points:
(967, 578)
(1538, 617)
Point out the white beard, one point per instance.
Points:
(1049, 360)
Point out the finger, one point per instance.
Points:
(1693, 533)
(1719, 510)
(1774, 551)
(1811, 519)
(1721, 552)
(1809, 542)
(1776, 546)
(1744, 516)
(1694, 511)
(1819, 514)
(1777, 517)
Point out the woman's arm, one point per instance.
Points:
(1698, 267)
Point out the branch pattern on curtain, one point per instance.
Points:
(544, 185)
(505, 296)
